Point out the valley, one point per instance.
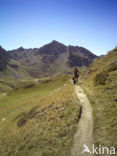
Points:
(42, 113)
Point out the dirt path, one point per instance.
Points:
(85, 126)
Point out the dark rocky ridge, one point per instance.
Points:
(4, 58)
(50, 59)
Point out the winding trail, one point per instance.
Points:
(85, 126)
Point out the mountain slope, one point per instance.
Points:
(51, 59)
(11, 71)
(79, 56)
(100, 84)
(3, 59)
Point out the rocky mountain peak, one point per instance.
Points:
(20, 49)
(53, 48)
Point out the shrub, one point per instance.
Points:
(101, 78)
(113, 67)
(24, 117)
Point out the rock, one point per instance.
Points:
(62, 109)
(3, 119)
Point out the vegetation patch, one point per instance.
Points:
(112, 66)
(101, 78)
(24, 117)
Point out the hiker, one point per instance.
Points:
(76, 75)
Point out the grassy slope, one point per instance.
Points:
(40, 120)
(103, 97)
(20, 75)
(13, 76)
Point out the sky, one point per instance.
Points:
(33, 23)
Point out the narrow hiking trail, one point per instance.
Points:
(85, 126)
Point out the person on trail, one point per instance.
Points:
(76, 75)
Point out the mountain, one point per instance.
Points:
(79, 56)
(51, 59)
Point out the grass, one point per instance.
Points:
(100, 84)
(40, 120)
(101, 78)
(4, 88)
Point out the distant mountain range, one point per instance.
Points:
(53, 58)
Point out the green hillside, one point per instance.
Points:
(100, 84)
(39, 119)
